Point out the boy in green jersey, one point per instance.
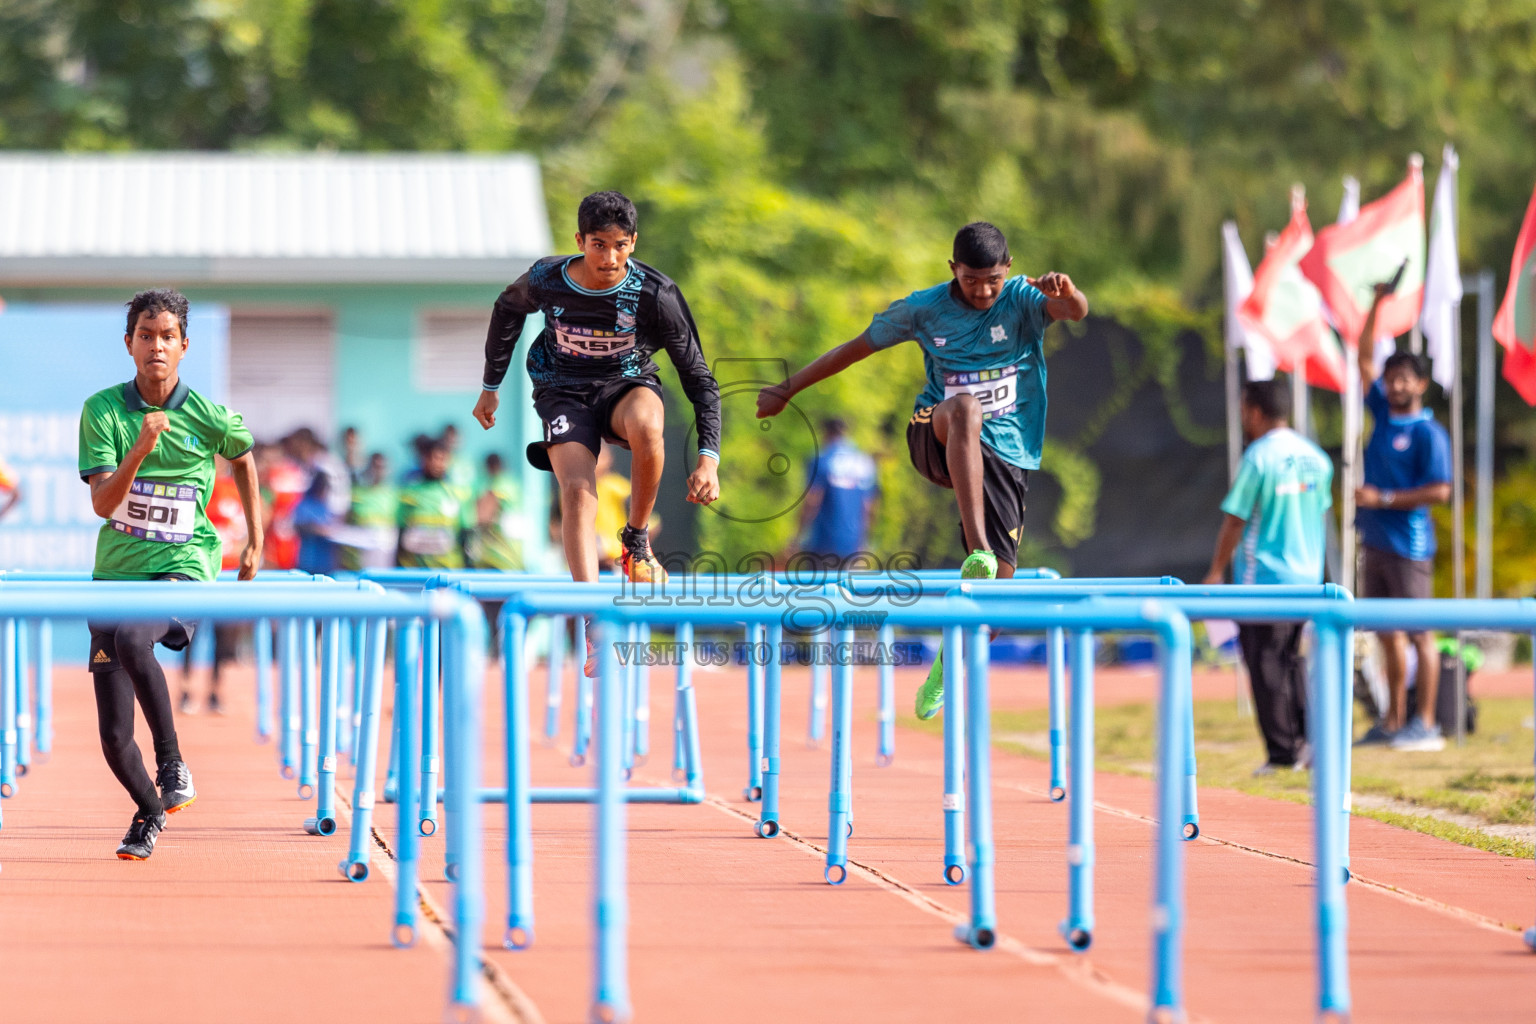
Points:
(494, 545)
(146, 450)
(435, 517)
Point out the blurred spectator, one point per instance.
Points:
(282, 485)
(1274, 522)
(496, 543)
(612, 509)
(313, 519)
(840, 496)
(10, 489)
(375, 502)
(352, 455)
(1407, 469)
(460, 472)
(305, 449)
(435, 517)
(419, 445)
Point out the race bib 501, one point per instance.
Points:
(165, 513)
(997, 391)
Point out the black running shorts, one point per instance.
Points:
(1003, 485)
(103, 656)
(582, 413)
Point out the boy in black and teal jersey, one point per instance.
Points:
(146, 450)
(978, 425)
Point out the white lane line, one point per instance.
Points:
(508, 1004)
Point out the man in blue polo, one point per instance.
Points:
(839, 498)
(1275, 524)
(1407, 469)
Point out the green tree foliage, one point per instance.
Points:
(800, 163)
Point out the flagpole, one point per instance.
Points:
(1484, 515)
(1351, 460)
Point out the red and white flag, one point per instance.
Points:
(1348, 260)
(1286, 310)
(1515, 325)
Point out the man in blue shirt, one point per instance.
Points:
(1407, 469)
(839, 498)
(1276, 509)
(978, 425)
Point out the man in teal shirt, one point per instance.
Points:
(1274, 524)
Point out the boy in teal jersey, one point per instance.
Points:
(1274, 523)
(147, 450)
(435, 517)
(979, 424)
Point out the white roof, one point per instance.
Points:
(234, 217)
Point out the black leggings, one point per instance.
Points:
(134, 672)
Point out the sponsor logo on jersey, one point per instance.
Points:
(998, 333)
(585, 343)
(940, 342)
(190, 441)
(1401, 442)
(101, 658)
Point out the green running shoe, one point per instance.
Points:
(930, 696)
(979, 565)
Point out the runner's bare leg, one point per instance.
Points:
(957, 425)
(638, 418)
(576, 473)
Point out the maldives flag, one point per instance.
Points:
(1515, 324)
(1348, 260)
(1286, 310)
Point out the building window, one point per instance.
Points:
(282, 372)
(449, 354)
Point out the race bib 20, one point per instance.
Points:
(165, 513)
(997, 391)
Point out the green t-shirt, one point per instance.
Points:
(433, 513)
(494, 546)
(375, 504)
(162, 526)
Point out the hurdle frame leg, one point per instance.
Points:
(554, 679)
(642, 746)
(840, 795)
(954, 756)
(1332, 913)
(431, 661)
(1055, 670)
(816, 725)
(885, 753)
(463, 685)
(1077, 928)
(23, 700)
(8, 708)
(355, 867)
(610, 1000)
(309, 709)
(288, 654)
(261, 641)
(753, 791)
(773, 734)
(519, 933)
(44, 683)
(324, 821)
(1167, 979)
(981, 932)
(408, 677)
(583, 705)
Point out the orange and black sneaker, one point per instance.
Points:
(175, 783)
(139, 843)
(637, 562)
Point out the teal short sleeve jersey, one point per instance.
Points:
(1283, 490)
(997, 355)
(162, 526)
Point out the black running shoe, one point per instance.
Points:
(213, 705)
(637, 563)
(175, 783)
(139, 843)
